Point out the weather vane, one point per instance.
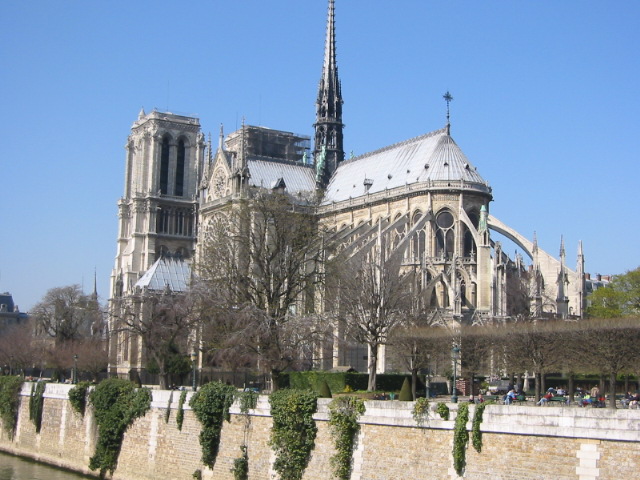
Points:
(447, 98)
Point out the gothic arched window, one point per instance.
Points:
(469, 244)
(445, 235)
(179, 187)
(164, 165)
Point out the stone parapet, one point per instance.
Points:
(575, 443)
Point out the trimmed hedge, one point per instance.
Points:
(339, 381)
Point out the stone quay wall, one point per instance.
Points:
(518, 442)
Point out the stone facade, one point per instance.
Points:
(519, 443)
(419, 203)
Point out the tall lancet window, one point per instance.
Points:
(469, 244)
(445, 235)
(164, 165)
(179, 187)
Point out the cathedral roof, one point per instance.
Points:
(167, 272)
(433, 159)
(297, 177)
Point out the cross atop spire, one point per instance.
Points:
(448, 98)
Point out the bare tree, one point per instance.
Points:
(608, 347)
(66, 314)
(476, 344)
(532, 346)
(418, 343)
(256, 279)
(93, 357)
(374, 299)
(163, 320)
(17, 348)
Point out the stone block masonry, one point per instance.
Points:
(523, 443)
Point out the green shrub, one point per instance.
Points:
(248, 400)
(167, 411)
(405, 392)
(324, 391)
(10, 388)
(240, 468)
(180, 414)
(116, 403)
(476, 434)
(443, 411)
(340, 381)
(211, 405)
(36, 404)
(78, 397)
(460, 439)
(293, 432)
(344, 412)
(420, 410)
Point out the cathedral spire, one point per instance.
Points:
(328, 146)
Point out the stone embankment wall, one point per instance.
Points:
(522, 443)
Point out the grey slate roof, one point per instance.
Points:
(266, 173)
(433, 157)
(167, 271)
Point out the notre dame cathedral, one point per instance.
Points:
(422, 196)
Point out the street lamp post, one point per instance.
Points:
(428, 379)
(194, 358)
(455, 355)
(75, 368)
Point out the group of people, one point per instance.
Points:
(474, 399)
(591, 397)
(630, 400)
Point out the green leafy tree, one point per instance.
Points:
(621, 298)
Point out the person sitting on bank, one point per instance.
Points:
(545, 400)
(626, 400)
(510, 397)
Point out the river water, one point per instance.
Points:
(17, 468)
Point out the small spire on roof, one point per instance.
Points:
(141, 115)
(95, 284)
(221, 139)
(448, 98)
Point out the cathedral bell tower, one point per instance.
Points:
(158, 211)
(328, 149)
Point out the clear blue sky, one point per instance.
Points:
(546, 104)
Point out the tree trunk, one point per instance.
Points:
(536, 376)
(612, 390)
(275, 379)
(163, 379)
(373, 366)
(571, 386)
(414, 382)
(543, 383)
